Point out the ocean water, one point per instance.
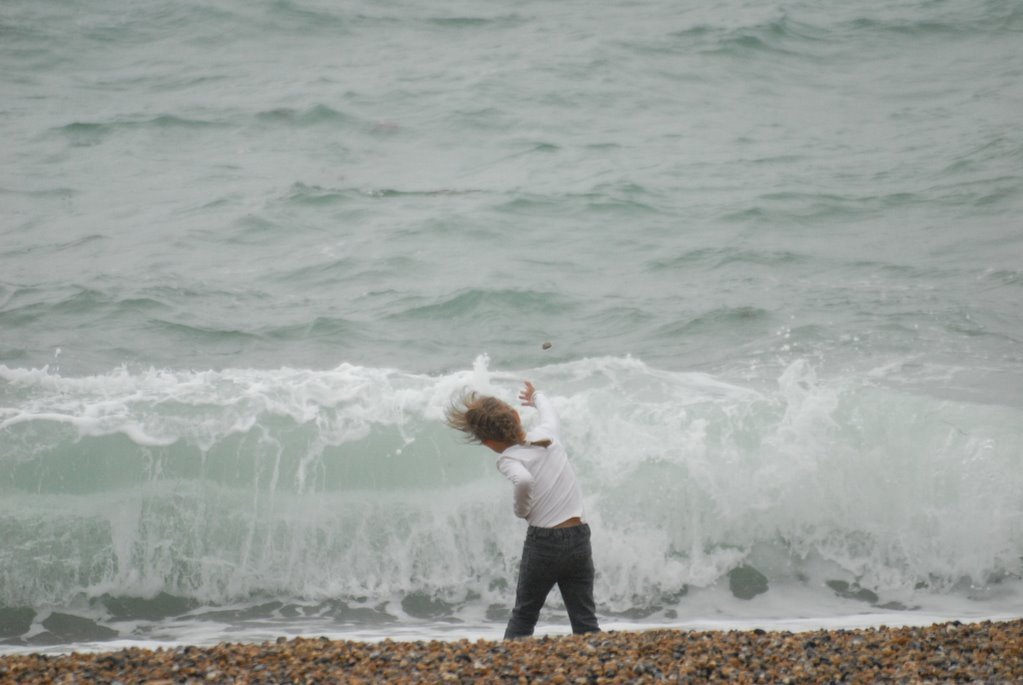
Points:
(249, 251)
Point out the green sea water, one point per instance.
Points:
(248, 251)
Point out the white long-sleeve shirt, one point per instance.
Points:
(546, 490)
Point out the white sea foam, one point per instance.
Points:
(816, 209)
(344, 484)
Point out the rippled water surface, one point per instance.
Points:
(249, 250)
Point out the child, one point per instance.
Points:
(557, 546)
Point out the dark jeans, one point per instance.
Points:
(549, 556)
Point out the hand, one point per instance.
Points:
(527, 394)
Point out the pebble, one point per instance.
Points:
(987, 652)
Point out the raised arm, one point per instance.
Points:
(549, 422)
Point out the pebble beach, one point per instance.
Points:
(986, 652)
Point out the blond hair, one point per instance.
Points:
(484, 418)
